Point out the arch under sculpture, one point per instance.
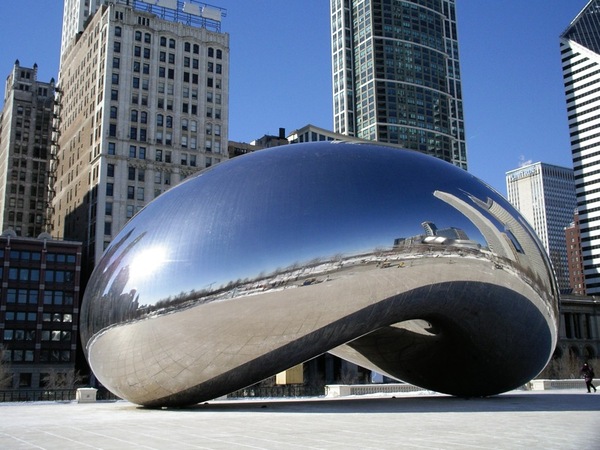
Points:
(394, 260)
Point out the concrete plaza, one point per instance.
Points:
(565, 419)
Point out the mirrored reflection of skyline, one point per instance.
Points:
(240, 223)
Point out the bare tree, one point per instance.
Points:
(5, 373)
(62, 380)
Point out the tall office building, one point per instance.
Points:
(545, 195)
(143, 98)
(25, 142)
(580, 53)
(396, 75)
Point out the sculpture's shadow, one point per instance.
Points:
(434, 403)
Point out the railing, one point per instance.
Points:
(284, 390)
(53, 395)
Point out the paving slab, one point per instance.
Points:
(566, 419)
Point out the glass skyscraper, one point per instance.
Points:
(396, 75)
(580, 54)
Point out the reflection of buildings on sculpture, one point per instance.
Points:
(515, 242)
(148, 87)
(39, 309)
(545, 195)
(449, 237)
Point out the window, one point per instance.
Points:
(158, 156)
(116, 63)
(163, 41)
(115, 78)
(184, 159)
(109, 189)
(140, 193)
(141, 175)
(146, 53)
(134, 115)
(129, 211)
(131, 173)
(112, 129)
(187, 47)
(130, 193)
(138, 36)
(169, 121)
(132, 151)
(111, 148)
(110, 170)
(142, 153)
(162, 56)
(193, 160)
(117, 47)
(107, 232)
(133, 133)
(171, 43)
(118, 31)
(219, 54)
(211, 52)
(113, 112)
(171, 58)
(147, 38)
(143, 117)
(159, 120)
(114, 94)
(108, 208)
(137, 51)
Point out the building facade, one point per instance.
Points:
(143, 104)
(580, 54)
(39, 310)
(574, 258)
(25, 143)
(396, 75)
(545, 195)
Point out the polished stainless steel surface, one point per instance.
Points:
(392, 259)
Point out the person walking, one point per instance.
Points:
(588, 375)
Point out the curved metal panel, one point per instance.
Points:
(392, 259)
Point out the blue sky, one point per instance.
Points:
(281, 71)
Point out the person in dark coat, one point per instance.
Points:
(588, 375)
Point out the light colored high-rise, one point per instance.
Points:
(25, 142)
(545, 196)
(396, 75)
(143, 98)
(580, 55)
(75, 13)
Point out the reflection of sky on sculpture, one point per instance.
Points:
(239, 220)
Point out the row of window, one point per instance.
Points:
(30, 296)
(27, 255)
(27, 356)
(30, 335)
(23, 316)
(188, 47)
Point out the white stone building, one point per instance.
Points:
(143, 100)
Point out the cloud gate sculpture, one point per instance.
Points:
(397, 261)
